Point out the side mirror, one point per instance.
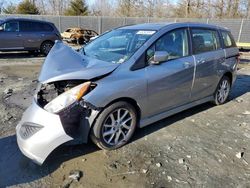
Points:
(1, 28)
(159, 56)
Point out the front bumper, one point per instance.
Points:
(38, 146)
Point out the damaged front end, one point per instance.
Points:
(58, 113)
(64, 98)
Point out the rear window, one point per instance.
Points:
(35, 26)
(205, 40)
(228, 39)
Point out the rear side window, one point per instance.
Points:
(228, 39)
(205, 40)
(35, 26)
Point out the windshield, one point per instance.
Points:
(117, 46)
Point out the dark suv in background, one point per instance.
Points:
(27, 35)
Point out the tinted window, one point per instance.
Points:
(35, 26)
(25, 26)
(174, 42)
(228, 39)
(205, 40)
(11, 26)
(45, 27)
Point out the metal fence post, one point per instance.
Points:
(124, 21)
(59, 23)
(241, 26)
(100, 25)
(78, 21)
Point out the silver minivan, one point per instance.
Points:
(129, 77)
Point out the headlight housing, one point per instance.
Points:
(67, 98)
(28, 129)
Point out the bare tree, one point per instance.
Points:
(58, 6)
(125, 7)
(102, 8)
(248, 9)
(1, 5)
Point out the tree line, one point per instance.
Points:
(132, 8)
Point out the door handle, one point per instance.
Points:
(201, 61)
(187, 64)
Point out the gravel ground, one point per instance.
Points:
(206, 146)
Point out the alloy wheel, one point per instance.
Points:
(223, 91)
(117, 127)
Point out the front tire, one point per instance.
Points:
(115, 126)
(222, 91)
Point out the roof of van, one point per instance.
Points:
(158, 26)
(21, 19)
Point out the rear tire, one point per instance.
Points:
(222, 91)
(115, 126)
(46, 47)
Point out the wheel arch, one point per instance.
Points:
(125, 99)
(47, 40)
(130, 101)
(229, 75)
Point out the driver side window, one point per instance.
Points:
(11, 26)
(175, 43)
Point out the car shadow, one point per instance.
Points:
(240, 87)
(15, 168)
(17, 55)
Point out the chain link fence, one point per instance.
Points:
(240, 27)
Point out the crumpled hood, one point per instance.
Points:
(63, 63)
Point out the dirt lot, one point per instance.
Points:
(206, 146)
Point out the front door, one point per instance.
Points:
(10, 36)
(169, 83)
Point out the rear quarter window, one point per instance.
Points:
(46, 27)
(228, 39)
